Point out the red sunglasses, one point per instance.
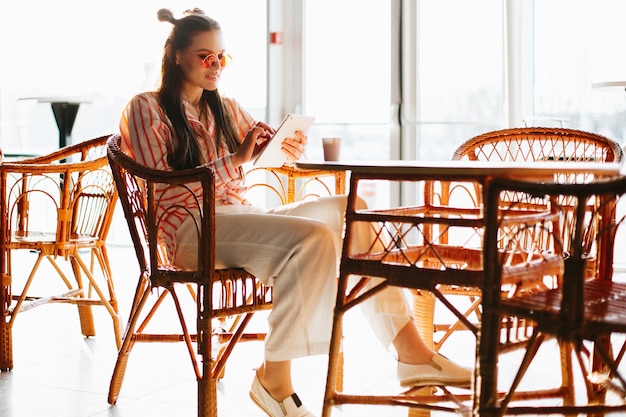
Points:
(209, 60)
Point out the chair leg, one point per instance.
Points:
(603, 348)
(187, 335)
(87, 325)
(118, 373)
(6, 346)
(531, 350)
(567, 376)
(207, 396)
(6, 334)
(141, 297)
(102, 258)
(424, 311)
(110, 304)
(14, 310)
(207, 381)
(334, 370)
(420, 412)
(620, 354)
(85, 313)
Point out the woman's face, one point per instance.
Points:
(202, 61)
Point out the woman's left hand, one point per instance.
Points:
(294, 147)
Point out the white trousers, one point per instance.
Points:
(296, 248)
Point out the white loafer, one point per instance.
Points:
(289, 407)
(440, 371)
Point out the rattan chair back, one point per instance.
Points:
(534, 144)
(59, 206)
(578, 311)
(225, 300)
(528, 144)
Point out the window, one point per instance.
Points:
(459, 66)
(347, 81)
(578, 43)
(107, 54)
(347, 76)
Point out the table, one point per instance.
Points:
(460, 170)
(401, 270)
(473, 171)
(65, 110)
(617, 86)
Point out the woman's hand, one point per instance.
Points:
(252, 144)
(294, 147)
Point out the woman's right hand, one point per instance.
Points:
(254, 140)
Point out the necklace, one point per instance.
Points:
(201, 116)
(198, 108)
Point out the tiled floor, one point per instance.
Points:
(57, 372)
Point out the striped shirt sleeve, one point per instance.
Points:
(147, 137)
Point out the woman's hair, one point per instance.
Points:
(186, 152)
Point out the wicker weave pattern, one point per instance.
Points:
(540, 144)
(579, 309)
(410, 248)
(55, 205)
(225, 299)
(289, 184)
(532, 144)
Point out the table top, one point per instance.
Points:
(60, 99)
(465, 169)
(610, 86)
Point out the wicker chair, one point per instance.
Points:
(400, 252)
(289, 184)
(535, 144)
(58, 206)
(224, 298)
(531, 144)
(581, 309)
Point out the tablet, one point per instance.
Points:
(272, 156)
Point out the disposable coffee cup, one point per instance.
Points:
(332, 146)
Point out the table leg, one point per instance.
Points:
(65, 115)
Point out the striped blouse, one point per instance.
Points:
(147, 135)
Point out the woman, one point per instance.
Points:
(295, 248)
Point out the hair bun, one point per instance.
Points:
(166, 15)
(195, 10)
